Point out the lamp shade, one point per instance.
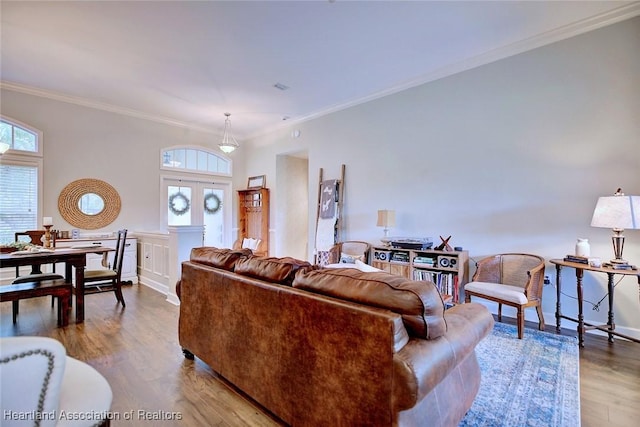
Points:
(386, 218)
(617, 212)
(229, 143)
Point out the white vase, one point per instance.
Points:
(583, 248)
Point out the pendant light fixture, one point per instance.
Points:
(229, 143)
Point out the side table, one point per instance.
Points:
(610, 326)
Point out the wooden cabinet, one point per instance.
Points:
(94, 261)
(448, 270)
(253, 215)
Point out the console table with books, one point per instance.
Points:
(583, 326)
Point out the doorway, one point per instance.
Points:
(292, 201)
(192, 202)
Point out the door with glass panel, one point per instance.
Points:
(198, 203)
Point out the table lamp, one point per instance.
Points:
(618, 212)
(386, 219)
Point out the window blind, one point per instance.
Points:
(19, 201)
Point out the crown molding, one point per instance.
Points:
(558, 34)
(85, 102)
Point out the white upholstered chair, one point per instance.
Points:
(512, 279)
(257, 246)
(40, 380)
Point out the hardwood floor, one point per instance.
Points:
(137, 350)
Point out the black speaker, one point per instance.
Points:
(447, 261)
(382, 255)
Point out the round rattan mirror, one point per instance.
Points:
(89, 203)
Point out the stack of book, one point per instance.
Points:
(619, 266)
(595, 262)
(427, 261)
(577, 258)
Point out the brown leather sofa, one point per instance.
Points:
(331, 347)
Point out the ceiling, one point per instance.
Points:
(187, 62)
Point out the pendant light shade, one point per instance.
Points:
(229, 143)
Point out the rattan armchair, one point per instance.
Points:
(512, 279)
(349, 251)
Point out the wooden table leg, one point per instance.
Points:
(79, 293)
(610, 322)
(558, 293)
(64, 308)
(579, 275)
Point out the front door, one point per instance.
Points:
(200, 203)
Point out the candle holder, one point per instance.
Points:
(47, 235)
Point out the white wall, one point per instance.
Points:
(82, 142)
(510, 156)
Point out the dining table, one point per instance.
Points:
(74, 258)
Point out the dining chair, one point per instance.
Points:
(36, 275)
(112, 275)
(512, 279)
(34, 236)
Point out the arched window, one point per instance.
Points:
(196, 160)
(19, 137)
(21, 177)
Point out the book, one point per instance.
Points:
(616, 266)
(577, 258)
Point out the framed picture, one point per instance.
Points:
(256, 182)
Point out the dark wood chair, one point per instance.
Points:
(34, 237)
(512, 279)
(112, 275)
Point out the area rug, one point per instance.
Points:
(530, 382)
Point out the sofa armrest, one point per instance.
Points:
(422, 364)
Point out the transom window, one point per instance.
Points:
(195, 160)
(16, 137)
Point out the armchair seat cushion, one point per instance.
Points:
(510, 293)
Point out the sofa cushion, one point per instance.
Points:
(217, 257)
(419, 303)
(271, 269)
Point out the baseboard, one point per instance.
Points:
(172, 298)
(156, 286)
